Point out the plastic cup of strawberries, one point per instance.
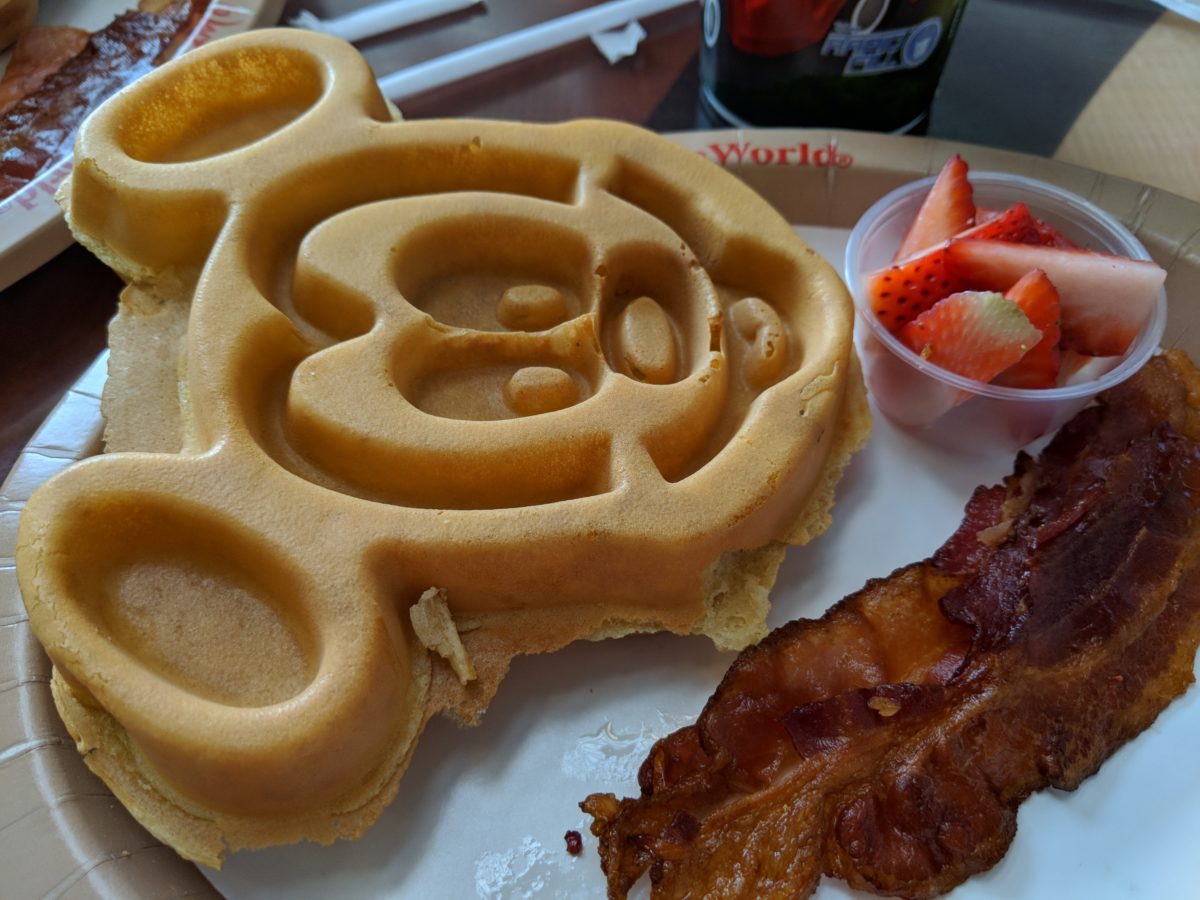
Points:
(994, 307)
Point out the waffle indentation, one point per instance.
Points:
(186, 594)
(195, 116)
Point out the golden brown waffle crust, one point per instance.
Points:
(273, 440)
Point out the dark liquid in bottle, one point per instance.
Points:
(865, 64)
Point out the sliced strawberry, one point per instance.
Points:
(1105, 299)
(977, 334)
(1079, 367)
(901, 292)
(904, 290)
(1052, 237)
(946, 210)
(1022, 228)
(1015, 224)
(1037, 298)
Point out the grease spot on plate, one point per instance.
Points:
(613, 755)
(524, 872)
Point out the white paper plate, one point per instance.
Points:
(482, 812)
(32, 229)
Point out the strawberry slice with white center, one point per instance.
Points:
(1037, 298)
(1105, 299)
(947, 209)
(976, 334)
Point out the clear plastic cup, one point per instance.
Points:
(959, 412)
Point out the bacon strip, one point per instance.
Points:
(38, 128)
(39, 52)
(890, 742)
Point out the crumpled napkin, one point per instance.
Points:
(619, 42)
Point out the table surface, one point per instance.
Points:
(1107, 84)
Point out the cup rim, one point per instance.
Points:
(1143, 347)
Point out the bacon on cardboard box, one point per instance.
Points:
(62, 76)
(890, 742)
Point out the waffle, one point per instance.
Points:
(390, 403)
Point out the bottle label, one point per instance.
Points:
(876, 52)
(867, 64)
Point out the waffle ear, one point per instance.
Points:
(157, 166)
(196, 604)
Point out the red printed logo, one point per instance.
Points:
(219, 20)
(40, 191)
(798, 154)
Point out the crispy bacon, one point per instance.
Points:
(37, 128)
(890, 742)
(40, 52)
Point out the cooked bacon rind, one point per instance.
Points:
(890, 742)
(39, 52)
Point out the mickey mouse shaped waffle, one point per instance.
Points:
(392, 402)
